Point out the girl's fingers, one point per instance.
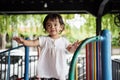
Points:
(76, 43)
(15, 38)
(18, 39)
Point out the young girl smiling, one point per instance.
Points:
(54, 47)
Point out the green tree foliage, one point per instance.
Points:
(3, 28)
(3, 23)
(12, 23)
(108, 23)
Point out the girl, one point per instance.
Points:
(52, 62)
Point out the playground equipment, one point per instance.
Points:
(98, 59)
(13, 66)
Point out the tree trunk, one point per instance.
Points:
(3, 41)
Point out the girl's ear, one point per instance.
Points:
(62, 28)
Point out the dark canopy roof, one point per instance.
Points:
(61, 6)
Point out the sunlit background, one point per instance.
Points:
(77, 27)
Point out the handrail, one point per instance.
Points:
(74, 59)
(3, 52)
(26, 77)
(11, 49)
(116, 60)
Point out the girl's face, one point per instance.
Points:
(53, 27)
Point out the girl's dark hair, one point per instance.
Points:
(52, 17)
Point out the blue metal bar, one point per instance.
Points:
(97, 61)
(106, 55)
(3, 52)
(26, 75)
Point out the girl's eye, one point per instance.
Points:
(55, 25)
(48, 26)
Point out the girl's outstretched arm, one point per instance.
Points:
(30, 43)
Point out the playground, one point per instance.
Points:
(99, 62)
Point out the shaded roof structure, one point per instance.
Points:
(61, 6)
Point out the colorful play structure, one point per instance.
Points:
(98, 58)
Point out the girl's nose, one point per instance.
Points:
(52, 26)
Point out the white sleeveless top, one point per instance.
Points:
(52, 60)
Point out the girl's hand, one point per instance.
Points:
(72, 48)
(18, 39)
(76, 44)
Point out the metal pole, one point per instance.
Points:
(106, 55)
(26, 74)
